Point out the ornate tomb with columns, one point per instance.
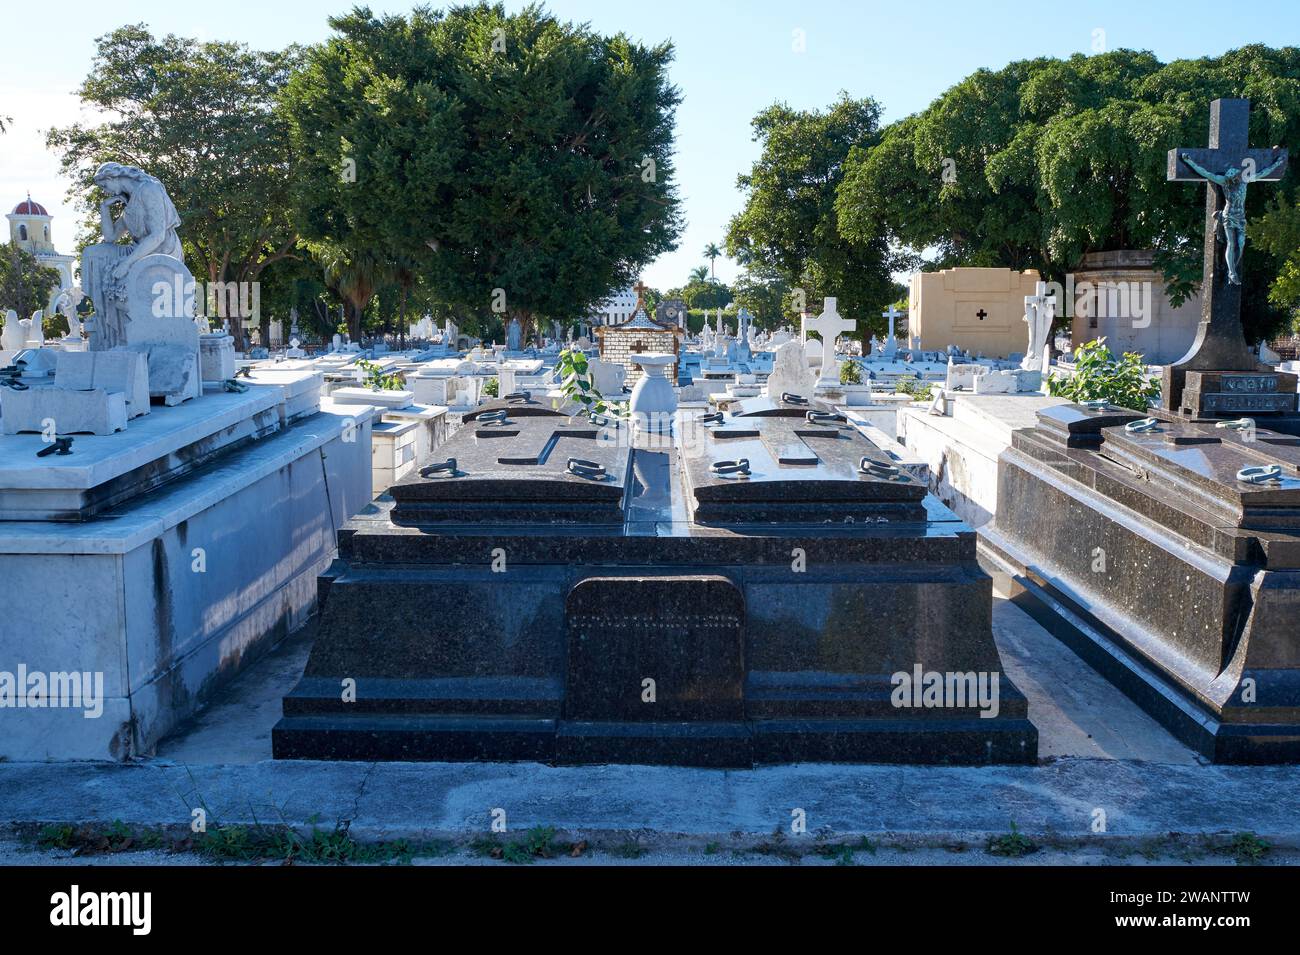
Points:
(1165, 549)
(753, 587)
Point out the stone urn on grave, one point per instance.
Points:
(653, 399)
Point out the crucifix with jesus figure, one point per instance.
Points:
(1227, 167)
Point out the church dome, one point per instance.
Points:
(29, 208)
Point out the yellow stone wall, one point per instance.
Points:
(618, 345)
(943, 309)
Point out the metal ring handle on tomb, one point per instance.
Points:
(448, 466)
(713, 417)
(584, 468)
(1238, 424)
(499, 416)
(1144, 426)
(730, 467)
(1261, 474)
(1095, 404)
(518, 396)
(824, 417)
(790, 398)
(868, 466)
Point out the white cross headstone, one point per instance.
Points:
(829, 325)
(891, 343)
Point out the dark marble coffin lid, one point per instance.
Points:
(798, 469)
(1204, 461)
(520, 461)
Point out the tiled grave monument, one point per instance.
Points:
(752, 588)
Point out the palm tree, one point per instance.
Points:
(352, 277)
(700, 274)
(711, 252)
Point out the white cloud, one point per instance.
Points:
(25, 162)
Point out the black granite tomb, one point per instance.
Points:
(565, 593)
(1169, 557)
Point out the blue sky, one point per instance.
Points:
(733, 59)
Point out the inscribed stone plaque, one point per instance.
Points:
(1245, 401)
(686, 634)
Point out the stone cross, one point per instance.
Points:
(829, 325)
(1040, 312)
(640, 288)
(891, 344)
(1230, 164)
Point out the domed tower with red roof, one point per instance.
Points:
(29, 229)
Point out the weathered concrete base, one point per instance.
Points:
(962, 450)
(164, 598)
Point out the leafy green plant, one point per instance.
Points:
(576, 385)
(850, 373)
(917, 388)
(376, 379)
(1015, 844)
(1100, 375)
(1248, 848)
(56, 837)
(492, 388)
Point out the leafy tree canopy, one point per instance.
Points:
(1036, 164)
(706, 294)
(512, 160)
(201, 117)
(789, 227)
(25, 284)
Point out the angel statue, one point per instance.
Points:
(150, 220)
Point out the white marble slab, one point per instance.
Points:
(136, 524)
(97, 459)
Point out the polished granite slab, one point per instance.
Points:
(673, 608)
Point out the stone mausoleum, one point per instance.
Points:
(1121, 297)
(640, 334)
(980, 311)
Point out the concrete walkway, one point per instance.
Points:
(1110, 779)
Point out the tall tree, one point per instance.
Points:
(201, 117)
(766, 298)
(520, 163)
(25, 284)
(1278, 232)
(789, 227)
(712, 252)
(354, 276)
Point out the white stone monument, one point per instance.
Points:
(1040, 312)
(829, 325)
(13, 337)
(891, 343)
(791, 373)
(142, 291)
